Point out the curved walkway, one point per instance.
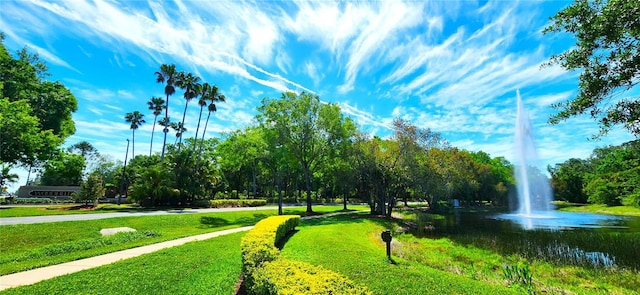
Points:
(44, 273)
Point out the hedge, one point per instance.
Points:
(288, 277)
(266, 274)
(259, 244)
(225, 203)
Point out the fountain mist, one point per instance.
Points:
(534, 191)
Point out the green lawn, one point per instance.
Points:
(28, 246)
(204, 267)
(20, 211)
(598, 208)
(23, 211)
(352, 247)
(348, 244)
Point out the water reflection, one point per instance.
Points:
(557, 220)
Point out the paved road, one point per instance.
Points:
(93, 216)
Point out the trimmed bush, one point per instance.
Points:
(259, 244)
(265, 274)
(288, 277)
(236, 203)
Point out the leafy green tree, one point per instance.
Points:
(567, 180)
(110, 171)
(22, 141)
(63, 169)
(153, 185)
(90, 190)
(88, 152)
(35, 114)
(135, 120)
(306, 128)
(167, 75)
(156, 105)
(239, 155)
(607, 55)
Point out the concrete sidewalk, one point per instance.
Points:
(40, 274)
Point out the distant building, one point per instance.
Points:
(55, 192)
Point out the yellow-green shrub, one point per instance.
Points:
(259, 244)
(236, 203)
(288, 277)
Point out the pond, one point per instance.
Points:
(582, 239)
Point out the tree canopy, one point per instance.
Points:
(607, 53)
(35, 114)
(610, 176)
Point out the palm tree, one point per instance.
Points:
(212, 108)
(136, 119)
(6, 176)
(168, 75)
(192, 88)
(207, 91)
(156, 104)
(179, 128)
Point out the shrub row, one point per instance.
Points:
(259, 244)
(232, 203)
(238, 203)
(265, 274)
(288, 277)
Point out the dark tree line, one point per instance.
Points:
(610, 176)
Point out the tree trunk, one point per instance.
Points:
(307, 177)
(344, 202)
(153, 130)
(279, 193)
(254, 178)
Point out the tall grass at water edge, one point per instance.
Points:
(590, 248)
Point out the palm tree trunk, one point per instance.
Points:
(133, 143)
(204, 131)
(153, 130)
(165, 131)
(198, 127)
(184, 114)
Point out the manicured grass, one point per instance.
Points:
(17, 240)
(29, 246)
(20, 211)
(204, 267)
(23, 211)
(598, 208)
(352, 247)
(323, 209)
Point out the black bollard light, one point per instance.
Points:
(386, 237)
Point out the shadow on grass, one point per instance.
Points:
(214, 222)
(353, 218)
(284, 240)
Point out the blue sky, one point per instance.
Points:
(452, 66)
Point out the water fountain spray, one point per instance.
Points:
(534, 191)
